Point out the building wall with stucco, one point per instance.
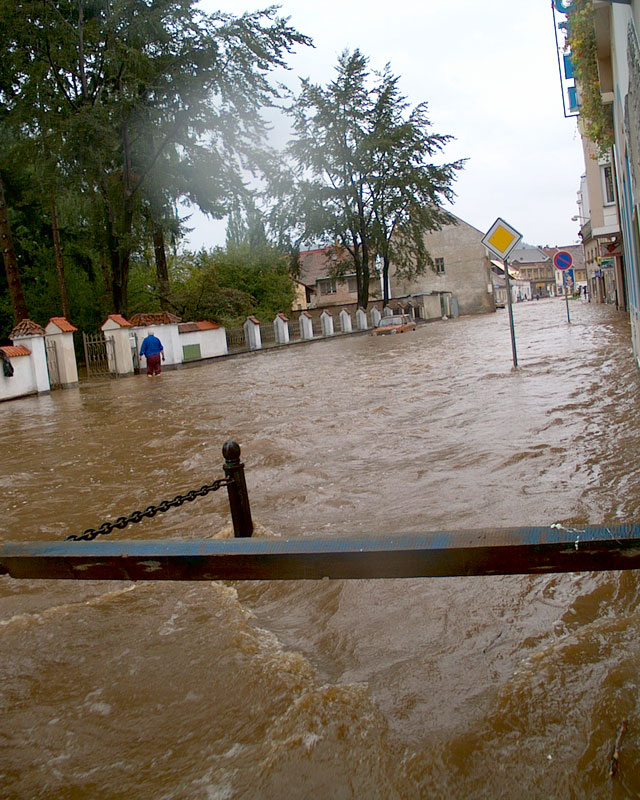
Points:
(464, 269)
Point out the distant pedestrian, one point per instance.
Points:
(153, 350)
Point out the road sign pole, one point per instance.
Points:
(501, 239)
(513, 333)
(563, 261)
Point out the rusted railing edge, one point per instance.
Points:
(499, 551)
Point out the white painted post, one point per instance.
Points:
(375, 317)
(281, 329)
(60, 331)
(361, 319)
(306, 325)
(345, 321)
(117, 328)
(387, 311)
(326, 321)
(252, 334)
(31, 335)
(169, 335)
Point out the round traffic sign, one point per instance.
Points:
(562, 259)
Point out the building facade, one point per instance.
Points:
(613, 259)
(319, 286)
(461, 270)
(599, 228)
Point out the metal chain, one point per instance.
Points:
(136, 516)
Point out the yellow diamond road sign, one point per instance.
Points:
(501, 238)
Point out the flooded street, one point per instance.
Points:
(439, 688)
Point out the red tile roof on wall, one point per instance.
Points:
(156, 318)
(122, 322)
(204, 325)
(15, 350)
(64, 324)
(26, 328)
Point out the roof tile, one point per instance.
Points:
(64, 324)
(120, 320)
(15, 350)
(26, 328)
(155, 318)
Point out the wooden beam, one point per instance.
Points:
(501, 551)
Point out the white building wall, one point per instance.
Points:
(22, 382)
(168, 335)
(212, 342)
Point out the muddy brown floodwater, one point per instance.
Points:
(452, 687)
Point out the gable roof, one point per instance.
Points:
(119, 320)
(576, 251)
(458, 220)
(64, 324)
(26, 328)
(318, 264)
(528, 254)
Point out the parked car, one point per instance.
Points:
(398, 323)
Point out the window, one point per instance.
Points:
(352, 285)
(439, 265)
(327, 286)
(608, 195)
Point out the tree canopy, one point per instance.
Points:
(132, 106)
(363, 176)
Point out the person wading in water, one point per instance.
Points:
(152, 349)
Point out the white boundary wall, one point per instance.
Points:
(30, 375)
(213, 342)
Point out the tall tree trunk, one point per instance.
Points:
(161, 262)
(106, 272)
(385, 279)
(57, 249)
(118, 256)
(364, 288)
(10, 263)
(120, 277)
(363, 283)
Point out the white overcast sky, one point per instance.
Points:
(488, 71)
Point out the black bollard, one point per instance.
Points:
(237, 488)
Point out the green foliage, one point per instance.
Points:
(363, 177)
(32, 233)
(581, 38)
(134, 106)
(227, 285)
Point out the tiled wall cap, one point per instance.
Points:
(26, 328)
(15, 350)
(64, 324)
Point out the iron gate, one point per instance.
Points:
(98, 355)
(52, 364)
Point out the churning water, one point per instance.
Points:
(454, 687)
